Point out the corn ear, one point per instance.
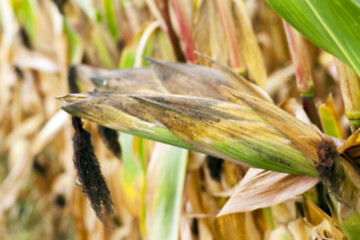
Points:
(228, 131)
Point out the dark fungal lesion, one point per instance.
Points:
(89, 173)
(329, 167)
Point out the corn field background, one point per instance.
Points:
(160, 191)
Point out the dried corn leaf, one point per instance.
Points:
(317, 218)
(249, 45)
(294, 108)
(228, 131)
(231, 227)
(207, 32)
(260, 189)
(132, 79)
(300, 229)
(189, 79)
(163, 76)
(239, 82)
(224, 9)
(181, 11)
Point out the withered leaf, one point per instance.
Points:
(260, 188)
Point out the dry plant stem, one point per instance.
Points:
(350, 89)
(224, 10)
(185, 32)
(160, 9)
(304, 80)
(308, 103)
(251, 52)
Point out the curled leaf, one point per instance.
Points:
(260, 189)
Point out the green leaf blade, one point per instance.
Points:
(331, 25)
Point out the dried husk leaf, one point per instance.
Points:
(239, 82)
(294, 108)
(279, 78)
(260, 189)
(189, 79)
(231, 227)
(351, 147)
(208, 38)
(300, 229)
(317, 218)
(162, 76)
(249, 45)
(132, 79)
